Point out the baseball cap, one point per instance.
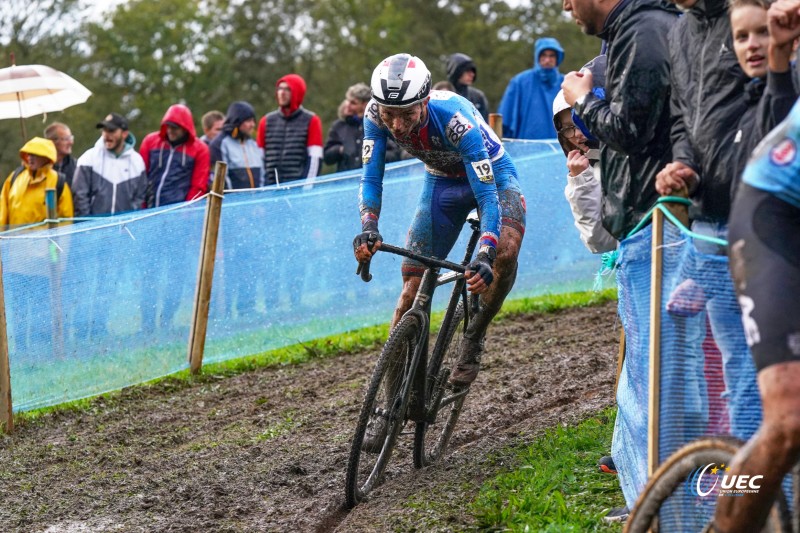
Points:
(113, 121)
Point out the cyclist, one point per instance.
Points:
(465, 167)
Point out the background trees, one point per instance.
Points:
(142, 56)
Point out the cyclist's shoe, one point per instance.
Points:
(375, 434)
(607, 465)
(617, 514)
(469, 362)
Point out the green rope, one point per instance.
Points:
(607, 266)
(683, 229)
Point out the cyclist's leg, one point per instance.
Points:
(765, 262)
(512, 230)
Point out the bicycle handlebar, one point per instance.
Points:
(431, 262)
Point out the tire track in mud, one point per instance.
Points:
(267, 450)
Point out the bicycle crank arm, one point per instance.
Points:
(459, 393)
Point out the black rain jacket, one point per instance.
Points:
(768, 104)
(633, 121)
(457, 64)
(707, 103)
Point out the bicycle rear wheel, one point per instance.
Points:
(384, 405)
(671, 502)
(431, 438)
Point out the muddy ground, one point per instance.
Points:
(267, 450)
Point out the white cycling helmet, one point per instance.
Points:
(401, 80)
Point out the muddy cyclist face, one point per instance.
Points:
(401, 121)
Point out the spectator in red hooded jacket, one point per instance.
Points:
(177, 166)
(291, 136)
(177, 162)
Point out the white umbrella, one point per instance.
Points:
(29, 90)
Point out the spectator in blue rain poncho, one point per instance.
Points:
(529, 96)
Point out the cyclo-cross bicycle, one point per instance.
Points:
(681, 495)
(409, 384)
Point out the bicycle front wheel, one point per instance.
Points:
(431, 438)
(383, 412)
(680, 497)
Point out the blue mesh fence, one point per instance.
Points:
(707, 379)
(122, 287)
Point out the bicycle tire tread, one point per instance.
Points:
(407, 328)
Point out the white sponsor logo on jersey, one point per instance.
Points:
(457, 128)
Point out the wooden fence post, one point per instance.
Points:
(51, 201)
(6, 409)
(205, 270)
(496, 123)
(654, 374)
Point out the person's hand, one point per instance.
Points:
(575, 85)
(674, 177)
(365, 244)
(576, 162)
(479, 273)
(783, 20)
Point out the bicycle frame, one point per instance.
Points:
(422, 383)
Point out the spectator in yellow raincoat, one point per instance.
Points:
(22, 197)
(28, 296)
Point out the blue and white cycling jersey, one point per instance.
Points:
(775, 165)
(453, 142)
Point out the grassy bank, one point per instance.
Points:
(555, 485)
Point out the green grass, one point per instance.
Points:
(345, 343)
(555, 485)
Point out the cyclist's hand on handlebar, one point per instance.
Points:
(479, 272)
(365, 244)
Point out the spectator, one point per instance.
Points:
(22, 201)
(708, 154)
(110, 179)
(632, 125)
(177, 166)
(462, 73)
(62, 137)
(235, 146)
(529, 96)
(177, 162)
(444, 85)
(291, 136)
(110, 176)
(212, 125)
(343, 147)
(583, 190)
(22, 196)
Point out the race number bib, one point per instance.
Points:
(366, 151)
(484, 170)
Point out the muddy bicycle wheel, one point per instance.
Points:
(680, 497)
(431, 438)
(382, 414)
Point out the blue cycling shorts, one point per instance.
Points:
(442, 211)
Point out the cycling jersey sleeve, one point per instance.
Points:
(373, 158)
(470, 140)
